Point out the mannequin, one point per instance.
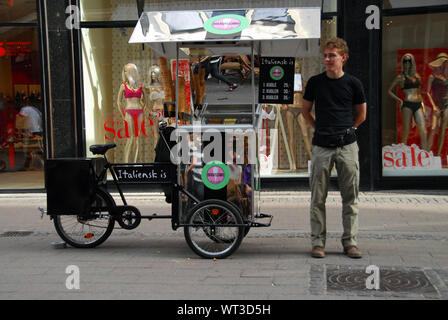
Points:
(438, 97)
(293, 112)
(155, 98)
(169, 90)
(131, 104)
(412, 105)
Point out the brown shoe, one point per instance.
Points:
(318, 252)
(353, 252)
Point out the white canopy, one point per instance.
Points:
(272, 31)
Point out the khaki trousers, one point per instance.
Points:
(347, 167)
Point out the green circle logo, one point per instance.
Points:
(277, 72)
(226, 24)
(215, 175)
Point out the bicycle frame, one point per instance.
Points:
(112, 167)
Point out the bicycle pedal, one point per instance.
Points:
(263, 216)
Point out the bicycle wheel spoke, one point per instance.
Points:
(86, 231)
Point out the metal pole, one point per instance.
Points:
(179, 196)
(252, 166)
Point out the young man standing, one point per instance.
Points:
(340, 107)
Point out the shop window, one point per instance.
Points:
(18, 11)
(106, 52)
(393, 4)
(21, 110)
(415, 95)
(287, 139)
(119, 10)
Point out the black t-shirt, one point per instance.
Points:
(334, 101)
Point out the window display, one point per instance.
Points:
(131, 104)
(121, 10)
(286, 147)
(411, 106)
(392, 4)
(18, 11)
(117, 94)
(438, 96)
(414, 94)
(21, 110)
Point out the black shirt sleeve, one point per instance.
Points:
(309, 90)
(358, 93)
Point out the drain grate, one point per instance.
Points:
(14, 234)
(345, 279)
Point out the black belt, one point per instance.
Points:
(335, 141)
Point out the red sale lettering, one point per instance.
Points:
(126, 130)
(389, 158)
(120, 129)
(420, 160)
(109, 129)
(401, 157)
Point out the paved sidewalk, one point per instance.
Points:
(403, 233)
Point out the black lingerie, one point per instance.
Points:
(411, 83)
(414, 106)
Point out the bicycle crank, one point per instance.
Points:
(128, 217)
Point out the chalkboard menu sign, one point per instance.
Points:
(276, 80)
(148, 173)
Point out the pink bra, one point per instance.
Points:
(128, 93)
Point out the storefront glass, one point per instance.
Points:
(106, 54)
(415, 95)
(393, 4)
(21, 126)
(18, 11)
(119, 10)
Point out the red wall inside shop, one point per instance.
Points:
(26, 72)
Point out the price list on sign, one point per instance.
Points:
(276, 80)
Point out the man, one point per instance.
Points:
(340, 107)
(33, 131)
(211, 65)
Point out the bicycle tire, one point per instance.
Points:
(71, 228)
(200, 240)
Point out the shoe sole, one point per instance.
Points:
(353, 256)
(317, 255)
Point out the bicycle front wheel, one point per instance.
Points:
(91, 230)
(212, 232)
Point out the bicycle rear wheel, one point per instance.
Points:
(210, 241)
(91, 230)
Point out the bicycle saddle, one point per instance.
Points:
(101, 148)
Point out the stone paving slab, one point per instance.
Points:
(154, 262)
(270, 268)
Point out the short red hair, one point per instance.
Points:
(337, 43)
